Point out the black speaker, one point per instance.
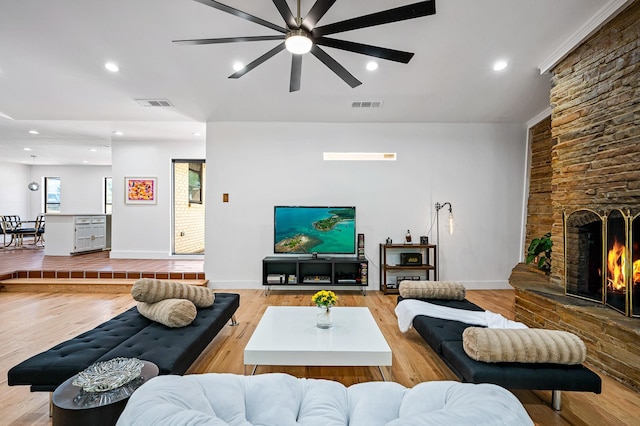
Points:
(360, 246)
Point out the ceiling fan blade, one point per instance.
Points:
(365, 49)
(296, 73)
(401, 13)
(258, 61)
(228, 40)
(286, 13)
(335, 66)
(243, 15)
(316, 13)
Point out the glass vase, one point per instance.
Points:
(323, 317)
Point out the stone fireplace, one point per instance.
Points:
(602, 258)
(584, 187)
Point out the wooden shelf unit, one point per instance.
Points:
(391, 269)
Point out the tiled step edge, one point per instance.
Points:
(106, 275)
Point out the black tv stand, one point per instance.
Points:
(323, 271)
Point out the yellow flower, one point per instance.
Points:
(324, 298)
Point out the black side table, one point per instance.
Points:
(68, 411)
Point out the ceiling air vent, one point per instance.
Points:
(366, 104)
(154, 102)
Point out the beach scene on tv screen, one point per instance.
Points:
(314, 230)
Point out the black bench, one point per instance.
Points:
(445, 338)
(129, 335)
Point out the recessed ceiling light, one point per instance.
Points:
(34, 132)
(85, 161)
(372, 65)
(26, 148)
(237, 66)
(111, 66)
(196, 133)
(118, 133)
(500, 65)
(93, 149)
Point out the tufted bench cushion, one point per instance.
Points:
(129, 335)
(281, 400)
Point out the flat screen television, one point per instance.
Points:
(322, 230)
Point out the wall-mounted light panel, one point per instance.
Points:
(359, 156)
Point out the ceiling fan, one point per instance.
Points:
(301, 35)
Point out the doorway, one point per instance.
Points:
(188, 206)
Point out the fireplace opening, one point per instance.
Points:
(602, 258)
(583, 255)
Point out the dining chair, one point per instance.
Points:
(39, 238)
(25, 230)
(9, 225)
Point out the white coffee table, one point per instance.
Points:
(287, 335)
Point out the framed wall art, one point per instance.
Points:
(140, 190)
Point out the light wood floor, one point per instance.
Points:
(32, 322)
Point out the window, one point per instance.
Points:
(195, 183)
(52, 195)
(108, 197)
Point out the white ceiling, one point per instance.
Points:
(52, 75)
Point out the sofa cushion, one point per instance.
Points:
(151, 291)
(513, 375)
(170, 312)
(174, 350)
(450, 290)
(275, 399)
(436, 330)
(523, 345)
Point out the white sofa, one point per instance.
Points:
(282, 400)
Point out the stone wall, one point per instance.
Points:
(539, 209)
(595, 126)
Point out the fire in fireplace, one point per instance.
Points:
(602, 258)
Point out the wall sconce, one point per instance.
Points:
(440, 206)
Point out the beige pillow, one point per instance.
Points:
(170, 312)
(432, 290)
(529, 345)
(151, 290)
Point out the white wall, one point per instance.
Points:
(81, 188)
(144, 231)
(14, 194)
(476, 167)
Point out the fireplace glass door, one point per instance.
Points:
(617, 258)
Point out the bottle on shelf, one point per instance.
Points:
(408, 236)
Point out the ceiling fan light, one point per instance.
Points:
(298, 42)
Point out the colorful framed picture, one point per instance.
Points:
(140, 190)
